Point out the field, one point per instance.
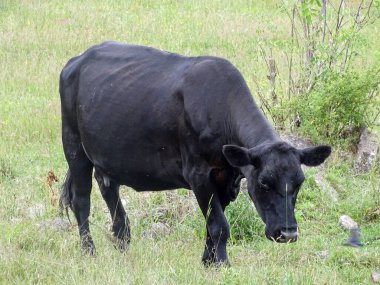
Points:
(36, 40)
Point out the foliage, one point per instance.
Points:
(339, 105)
(324, 48)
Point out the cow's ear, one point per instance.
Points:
(236, 156)
(314, 156)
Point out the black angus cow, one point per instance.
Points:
(155, 120)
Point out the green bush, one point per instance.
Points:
(338, 106)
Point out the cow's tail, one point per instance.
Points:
(66, 194)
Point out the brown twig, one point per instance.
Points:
(291, 52)
(51, 179)
(339, 19)
(324, 15)
(263, 101)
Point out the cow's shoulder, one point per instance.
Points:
(213, 75)
(213, 66)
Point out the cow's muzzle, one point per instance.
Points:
(288, 236)
(284, 235)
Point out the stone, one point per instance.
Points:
(367, 151)
(157, 230)
(36, 211)
(376, 277)
(57, 224)
(325, 187)
(296, 141)
(347, 223)
(244, 185)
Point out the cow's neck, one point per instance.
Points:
(252, 128)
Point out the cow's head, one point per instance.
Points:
(274, 176)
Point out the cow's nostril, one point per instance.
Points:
(289, 235)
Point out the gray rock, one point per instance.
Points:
(325, 187)
(296, 141)
(56, 224)
(347, 223)
(36, 211)
(367, 151)
(157, 230)
(244, 185)
(376, 277)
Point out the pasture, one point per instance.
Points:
(36, 40)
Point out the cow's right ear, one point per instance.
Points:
(236, 156)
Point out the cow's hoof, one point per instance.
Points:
(88, 250)
(215, 263)
(121, 244)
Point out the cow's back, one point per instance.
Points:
(125, 101)
(137, 109)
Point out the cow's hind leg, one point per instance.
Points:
(120, 222)
(77, 188)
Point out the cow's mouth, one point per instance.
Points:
(283, 236)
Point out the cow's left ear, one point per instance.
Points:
(314, 156)
(236, 156)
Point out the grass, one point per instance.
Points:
(36, 40)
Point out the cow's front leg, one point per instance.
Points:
(218, 234)
(209, 253)
(218, 230)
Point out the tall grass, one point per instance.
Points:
(36, 40)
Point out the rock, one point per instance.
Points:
(367, 151)
(376, 277)
(296, 141)
(157, 230)
(56, 224)
(325, 186)
(36, 211)
(347, 223)
(244, 185)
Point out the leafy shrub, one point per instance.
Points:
(325, 90)
(338, 106)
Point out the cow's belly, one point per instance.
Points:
(142, 158)
(142, 169)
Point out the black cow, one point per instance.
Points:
(155, 120)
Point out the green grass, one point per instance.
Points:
(36, 40)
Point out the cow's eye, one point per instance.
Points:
(264, 186)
